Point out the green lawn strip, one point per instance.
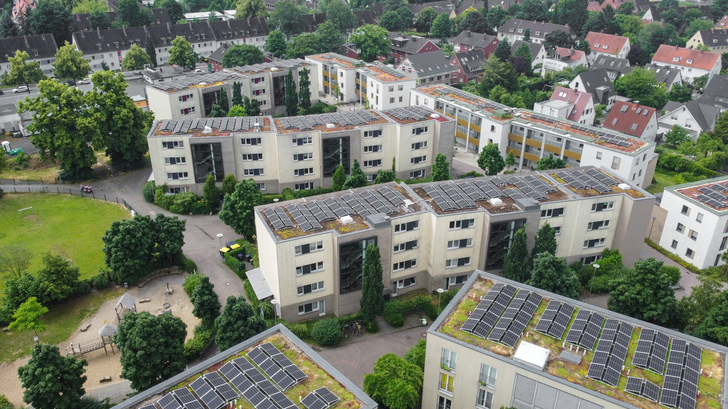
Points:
(62, 321)
(664, 179)
(69, 225)
(710, 386)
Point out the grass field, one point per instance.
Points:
(68, 225)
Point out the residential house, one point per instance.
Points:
(633, 119)
(568, 104)
(615, 67)
(696, 116)
(405, 45)
(160, 15)
(607, 44)
(691, 63)
(215, 58)
(563, 58)
(597, 83)
(598, 7)
(654, 13)
(716, 39)
(666, 75)
(538, 52)
(717, 92)
(723, 23)
(337, 76)
(383, 87)
(467, 41)
(363, 17)
(468, 65)
(310, 22)
(515, 29)
(41, 48)
(428, 68)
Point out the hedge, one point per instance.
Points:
(677, 163)
(326, 333)
(238, 267)
(195, 346)
(250, 293)
(673, 257)
(181, 203)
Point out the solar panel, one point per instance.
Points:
(311, 401)
(651, 391)
(668, 397)
(169, 402)
(328, 396)
(148, 407)
(634, 385)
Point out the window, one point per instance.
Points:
(488, 375)
(546, 213)
(418, 159)
(391, 88)
(419, 145)
(400, 99)
(446, 381)
(457, 280)
(312, 307)
(403, 265)
(457, 262)
(418, 174)
(407, 282)
(674, 244)
(309, 248)
(173, 145)
(484, 399)
(410, 245)
(693, 235)
(443, 403)
(303, 186)
(260, 186)
(310, 288)
(690, 253)
(603, 224)
(594, 243)
(372, 163)
(458, 244)
(419, 130)
(680, 227)
(297, 157)
(462, 224)
(685, 210)
(400, 87)
(250, 141)
(253, 172)
(409, 226)
(309, 268)
(185, 98)
(699, 218)
(177, 175)
(175, 160)
(723, 243)
(372, 134)
(590, 260)
(372, 148)
(303, 172)
(252, 157)
(600, 207)
(186, 111)
(302, 141)
(448, 359)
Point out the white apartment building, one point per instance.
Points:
(337, 75)
(434, 235)
(298, 153)
(384, 87)
(531, 136)
(696, 227)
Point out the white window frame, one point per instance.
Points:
(448, 359)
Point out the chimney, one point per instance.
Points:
(169, 27)
(123, 29)
(98, 32)
(467, 33)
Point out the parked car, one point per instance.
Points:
(198, 71)
(84, 81)
(21, 88)
(1, 92)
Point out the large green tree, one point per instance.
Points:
(170, 238)
(210, 192)
(205, 304)
(715, 325)
(441, 27)
(99, 20)
(392, 21)
(395, 383)
(237, 323)
(558, 38)
(474, 22)
(503, 50)
(357, 177)
(237, 208)
(545, 241)
(22, 71)
(224, 102)
(27, 317)
(135, 59)
(291, 99)
(550, 162)
(182, 53)
(491, 160)
(152, 348)
(276, 43)
(644, 292)
(329, 37)
(339, 13)
(551, 273)
(242, 54)
(70, 63)
(52, 381)
(174, 8)
(51, 17)
(441, 168)
(8, 27)
(250, 8)
(151, 50)
(131, 15)
(372, 40)
(497, 72)
(339, 178)
(58, 277)
(642, 85)
(653, 35)
(14, 259)
(303, 45)
(694, 308)
(572, 13)
(237, 94)
(425, 19)
(287, 17)
(516, 266)
(372, 288)
(304, 90)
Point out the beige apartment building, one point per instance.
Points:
(298, 153)
(384, 87)
(337, 75)
(434, 235)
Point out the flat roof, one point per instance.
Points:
(633, 348)
(385, 74)
(196, 81)
(342, 120)
(339, 60)
(206, 127)
(280, 65)
(711, 193)
(276, 344)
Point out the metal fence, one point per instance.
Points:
(24, 182)
(33, 188)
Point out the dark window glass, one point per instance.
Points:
(335, 152)
(499, 242)
(351, 259)
(207, 158)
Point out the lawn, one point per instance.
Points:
(62, 320)
(69, 225)
(663, 180)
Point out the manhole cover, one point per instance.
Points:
(227, 283)
(165, 305)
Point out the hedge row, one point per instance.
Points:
(680, 164)
(673, 257)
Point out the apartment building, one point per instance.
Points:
(531, 136)
(193, 97)
(434, 235)
(298, 153)
(384, 87)
(41, 48)
(691, 63)
(515, 29)
(696, 229)
(337, 75)
(527, 359)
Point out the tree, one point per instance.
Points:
(395, 383)
(490, 159)
(152, 348)
(135, 59)
(123, 126)
(182, 53)
(653, 35)
(23, 72)
(8, 27)
(551, 273)
(372, 297)
(416, 355)
(251, 106)
(170, 238)
(242, 54)
(304, 91)
(237, 208)
(384, 176)
(51, 17)
(496, 17)
(89, 6)
(237, 110)
(58, 278)
(441, 27)
(680, 93)
(287, 17)
(52, 381)
(339, 178)
(63, 127)
(27, 317)
(14, 259)
(175, 10)
(372, 40)
(276, 43)
(497, 72)
(503, 50)
(224, 102)
(356, 178)
(228, 184)
(250, 8)
(719, 7)
(210, 192)
(642, 85)
(516, 266)
(510, 159)
(545, 241)
(291, 95)
(131, 15)
(425, 19)
(303, 45)
(99, 20)
(151, 50)
(441, 168)
(329, 37)
(534, 10)
(550, 162)
(572, 13)
(677, 135)
(626, 8)
(205, 303)
(392, 21)
(474, 22)
(237, 95)
(644, 292)
(339, 13)
(714, 327)
(557, 38)
(237, 323)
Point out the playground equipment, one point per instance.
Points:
(106, 337)
(125, 304)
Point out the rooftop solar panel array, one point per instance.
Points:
(585, 329)
(232, 124)
(588, 179)
(183, 83)
(680, 386)
(344, 118)
(555, 319)
(472, 100)
(608, 360)
(255, 387)
(168, 401)
(320, 398)
(303, 217)
(714, 195)
(271, 368)
(206, 393)
(152, 406)
(187, 399)
(641, 387)
(489, 310)
(278, 218)
(413, 112)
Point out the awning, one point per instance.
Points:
(260, 285)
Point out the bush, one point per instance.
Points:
(195, 346)
(431, 311)
(1, 193)
(149, 191)
(5, 403)
(396, 320)
(191, 282)
(100, 280)
(232, 262)
(300, 330)
(673, 273)
(187, 265)
(372, 327)
(601, 284)
(326, 333)
(86, 402)
(250, 294)
(268, 199)
(82, 287)
(288, 194)
(471, 174)
(181, 203)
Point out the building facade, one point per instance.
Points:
(633, 119)
(383, 87)
(41, 48)
(607, 44)
(405, 45)
(691, 63)
(337, 75)
(568, 104)
(515, 29)
(563, 58)
(428, 68)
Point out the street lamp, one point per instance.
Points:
(439, 293)
(219, 236)
(591, 284)
(274, 302)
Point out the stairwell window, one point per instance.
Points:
(448, 359)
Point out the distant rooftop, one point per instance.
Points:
(280, 65)
(384, 73)
(713, 194)
(212, 126)
(197, 81)
(338, 60)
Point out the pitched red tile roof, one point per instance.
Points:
(570, 53)
(613, 43)
(671, 54)
(723, 23)
(579, 99)
(629, 118)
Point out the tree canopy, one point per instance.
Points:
(250, 8)
(395, 382)
(516, 265)
(287, 17)
(441, 26)
(22, 71)
(276, 43)
(70, 63)
(131, 15)
(356, 178)
(237, 323)
(642, 85)
(372, 288)
(58, 278)
(291, 99)
(242, 54)
(491, 160)
(182, 53)
(545, 241)
(135, 59)
(372, 40)
(237, 208)
(52, 381)
(51, 17)
(339, 13)
(205, 304)
(441, 168)
(551, 273)
(550, 162)
(27, 317)
(644, 292)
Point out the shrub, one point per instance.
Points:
(250, 293)
(100, 280)
(300, 330)
(82, 287)
(471, 174)
(5, 403)
(372, 327)
(396, 320)
(191, 282)
(268, 199)
(431, 311)
(1, 193)
(601, 284)
(195, 346)
(86, 402)
(149, 191)
(326, 332)
(673, 273)
(187, 265)
(235, 265)
(288, 194)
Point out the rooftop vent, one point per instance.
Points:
(496, 201)
(330, 126)
(624, 186)
(207, 129)
(347, 220)
(434, 116)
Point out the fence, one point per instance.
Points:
(25, 182)
(32, 188)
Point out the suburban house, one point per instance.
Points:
(666, 75)
(563, 58)
(405, 45)
(723, 23)
(716, 39)
(655, 13)
(695, 116)
(467, 41)
(597, 83)
(467, 65)
(691, 63)
(616, 67)
(337, 76)
(596, 6)
(538, 52)
(568, 104)
(383, 87)
(607, 44)
(41, 48)
(428, 68)
(515, 29)
(717, 92)
(160, 15)
(633, 119)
